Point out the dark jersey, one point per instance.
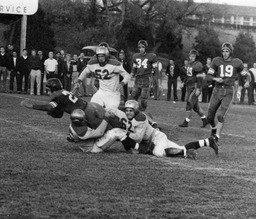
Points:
(227, 70)
(193, 69)
(64, 101)
(144, 63)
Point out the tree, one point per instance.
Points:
(244, 47)
(207, 43)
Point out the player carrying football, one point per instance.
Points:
(143, 64)
(107, 71)
(194, 86)
(224, 71)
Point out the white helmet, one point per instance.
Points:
(133, 104)
(102, 51)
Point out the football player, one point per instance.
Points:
(139, 130)
(138, 134)
(64, 101)
(144, 64)
(224, 71)
(194, 86)
(107, 71)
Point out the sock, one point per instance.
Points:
(187, 120)
(203, 117)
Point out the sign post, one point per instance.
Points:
(21, 7)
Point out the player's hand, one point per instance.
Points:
(27, 103)
(198, 91)
(77, 85)
(109, 113)
(219, 80)
(246, 85)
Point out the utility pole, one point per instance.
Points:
(23, 33)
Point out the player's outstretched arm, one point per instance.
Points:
(30, 105)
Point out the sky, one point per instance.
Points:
(232, 2)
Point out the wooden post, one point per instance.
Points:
(23, 33)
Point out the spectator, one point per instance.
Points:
(60, 61)
(183, 76)
(253, 70)
(14, 68)
(82, 64)
(67, 72)
(4, 65)
(51, 66)
(42, 59)
(242, 88)
(35, 72)
(206, 87)
(24, 71)
(127, 67)
(173, 72)
(157, 82)
(62, 54)
(9, 51)
(76, 68)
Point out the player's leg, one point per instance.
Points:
(111, 100)
(224, 107)
(212, 109)
(104, 142)
(98, 97)
(189, 95)
(199, 111)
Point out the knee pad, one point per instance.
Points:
(220, 118)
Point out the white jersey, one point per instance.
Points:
(108, 74)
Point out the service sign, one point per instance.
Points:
(26, 7)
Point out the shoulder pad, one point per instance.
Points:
(140, 117)
(93, 61)
(114, 62)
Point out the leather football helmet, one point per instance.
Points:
(54, 84)
(133, 104)
(78, 117)
(101, 50)
(143, 43)
(227, 46)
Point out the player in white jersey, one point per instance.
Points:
(107, 71)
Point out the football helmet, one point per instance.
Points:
(54, 84)
(193, 52)
(133, 104)
(101, 50)
(78, 117)
(143, 43)
(227, 46)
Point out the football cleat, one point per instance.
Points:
(184, 124)
(213, 140)
(191, 154)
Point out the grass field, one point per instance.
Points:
(44, 176)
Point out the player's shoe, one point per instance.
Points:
(205, 123)
(191, 154)
(213, 140)
(184, 124)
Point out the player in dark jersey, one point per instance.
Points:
(143, 64)
(64, 101)
(194, 86)
(224, 71)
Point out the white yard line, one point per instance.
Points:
(215, 170)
